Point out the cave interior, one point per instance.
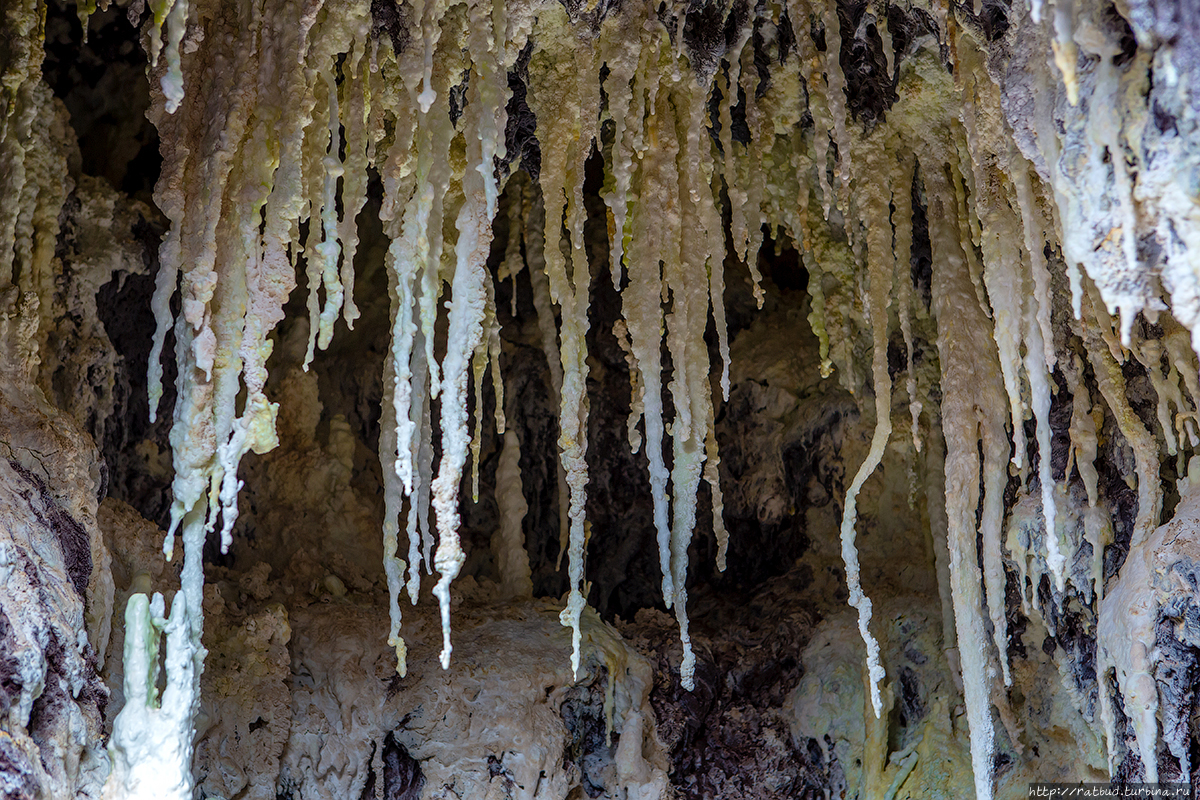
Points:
(558, 399)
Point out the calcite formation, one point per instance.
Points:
(901, 313)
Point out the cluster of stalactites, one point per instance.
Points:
(1012, 218)
(279, 111)
(266, 126)
(34, 131)
(273, 129)
(991, 220)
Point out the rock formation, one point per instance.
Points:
(604, 399)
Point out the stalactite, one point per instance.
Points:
(354, 175)
(468, 308)
(688, 276)
(836, 96)
(562, 187)
(873, 208)
(700, 171)
(1183, 361)
(1111, 383)
(1039, 386)
(405, 213)
(642, 310)
(393, 491)
(544, 308)
(967, 375)
(1065, 51)
(422, 450)
(902, 213)
(623, 55)
(885, 37)
(479, 365)
(172, 16)
(1004, 277)
(737, 194)
(1149, 352)
(323, 261)
(1084, 449)
(968, 219)
(760, 123)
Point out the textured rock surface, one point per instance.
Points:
(322, 714)
(57, 585)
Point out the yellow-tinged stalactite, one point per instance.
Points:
(642, 309)
(970, 381)
(624, 53)
(568, 141)
(836, 93)
(873, 202)
(737, 194)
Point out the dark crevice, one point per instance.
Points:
(402, 776)
(72, 538)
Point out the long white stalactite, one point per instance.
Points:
(468, 305)
(880, 270)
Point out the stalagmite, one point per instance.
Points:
(207, 439)
(508, 544)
